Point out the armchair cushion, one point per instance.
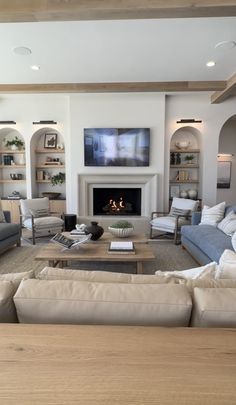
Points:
(44, 223)
(168, 223)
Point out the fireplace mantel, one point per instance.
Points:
(147, 183)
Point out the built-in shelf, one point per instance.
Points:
(43, 181)
(12, 167)
(50, 167)
(189, 166)
(50, 151)
(184, 181)
(12, 152)
(12, 181)
(188, 151)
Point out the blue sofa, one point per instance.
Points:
(10, 234)
(205, 243)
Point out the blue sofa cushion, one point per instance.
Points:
(7, 230)
(209, 239)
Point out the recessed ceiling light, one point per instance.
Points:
(22, 50)
(225, 45)
(211, 63)
(35, 67)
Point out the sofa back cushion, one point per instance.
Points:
(75, 302)
(52, 273)
(214, 308)
(7, 307)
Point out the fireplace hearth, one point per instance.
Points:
(116, 201)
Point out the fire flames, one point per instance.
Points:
(117, 207)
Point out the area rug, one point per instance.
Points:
(168, 257)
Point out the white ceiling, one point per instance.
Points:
(118, 51)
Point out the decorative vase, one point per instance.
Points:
(14, 147)
(192, 194)
(95, 229)
(183, 194)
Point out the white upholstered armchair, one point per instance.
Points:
(169, 223)
(36, 217)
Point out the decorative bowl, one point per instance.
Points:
(16, 176)
(121, 232)
(51, 195)
(182, 144)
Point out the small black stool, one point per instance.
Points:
(70, 221)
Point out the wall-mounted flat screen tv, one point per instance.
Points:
(116, 146)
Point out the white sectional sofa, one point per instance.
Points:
(63, 296)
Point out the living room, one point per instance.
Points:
(124, 87)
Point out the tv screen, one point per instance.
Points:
(116, 146)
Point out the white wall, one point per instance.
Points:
(213, 117)
(24, 109)
(227, 144)
(116, 111)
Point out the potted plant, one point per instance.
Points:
(121, 229)
(58, 179)
(189, 158)
(15, 143)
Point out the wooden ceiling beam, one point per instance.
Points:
(230, 90)
(113, 87)
(72, 10)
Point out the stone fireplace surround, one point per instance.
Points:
(147, 183)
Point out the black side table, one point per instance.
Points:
(70, 221)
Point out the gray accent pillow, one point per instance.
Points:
(174, 212)
(38, 213)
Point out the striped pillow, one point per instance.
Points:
(39, 213)
(228, 224)
(212, 215)
(174, 212)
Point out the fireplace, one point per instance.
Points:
(116, 201)
(146, 183)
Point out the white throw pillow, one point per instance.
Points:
(212, 215)
(228, 224)
(184, 204)
(207, 271)
(227, 265)
(234, 241)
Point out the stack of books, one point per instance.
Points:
(126, 247)
(183, 175)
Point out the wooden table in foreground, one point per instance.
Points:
(91, 252)
(106, 365)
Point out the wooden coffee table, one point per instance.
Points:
(92, 252)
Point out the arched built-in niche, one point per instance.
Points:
(12, 164)
(226, 162)
(185, 163)
(47, 160)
